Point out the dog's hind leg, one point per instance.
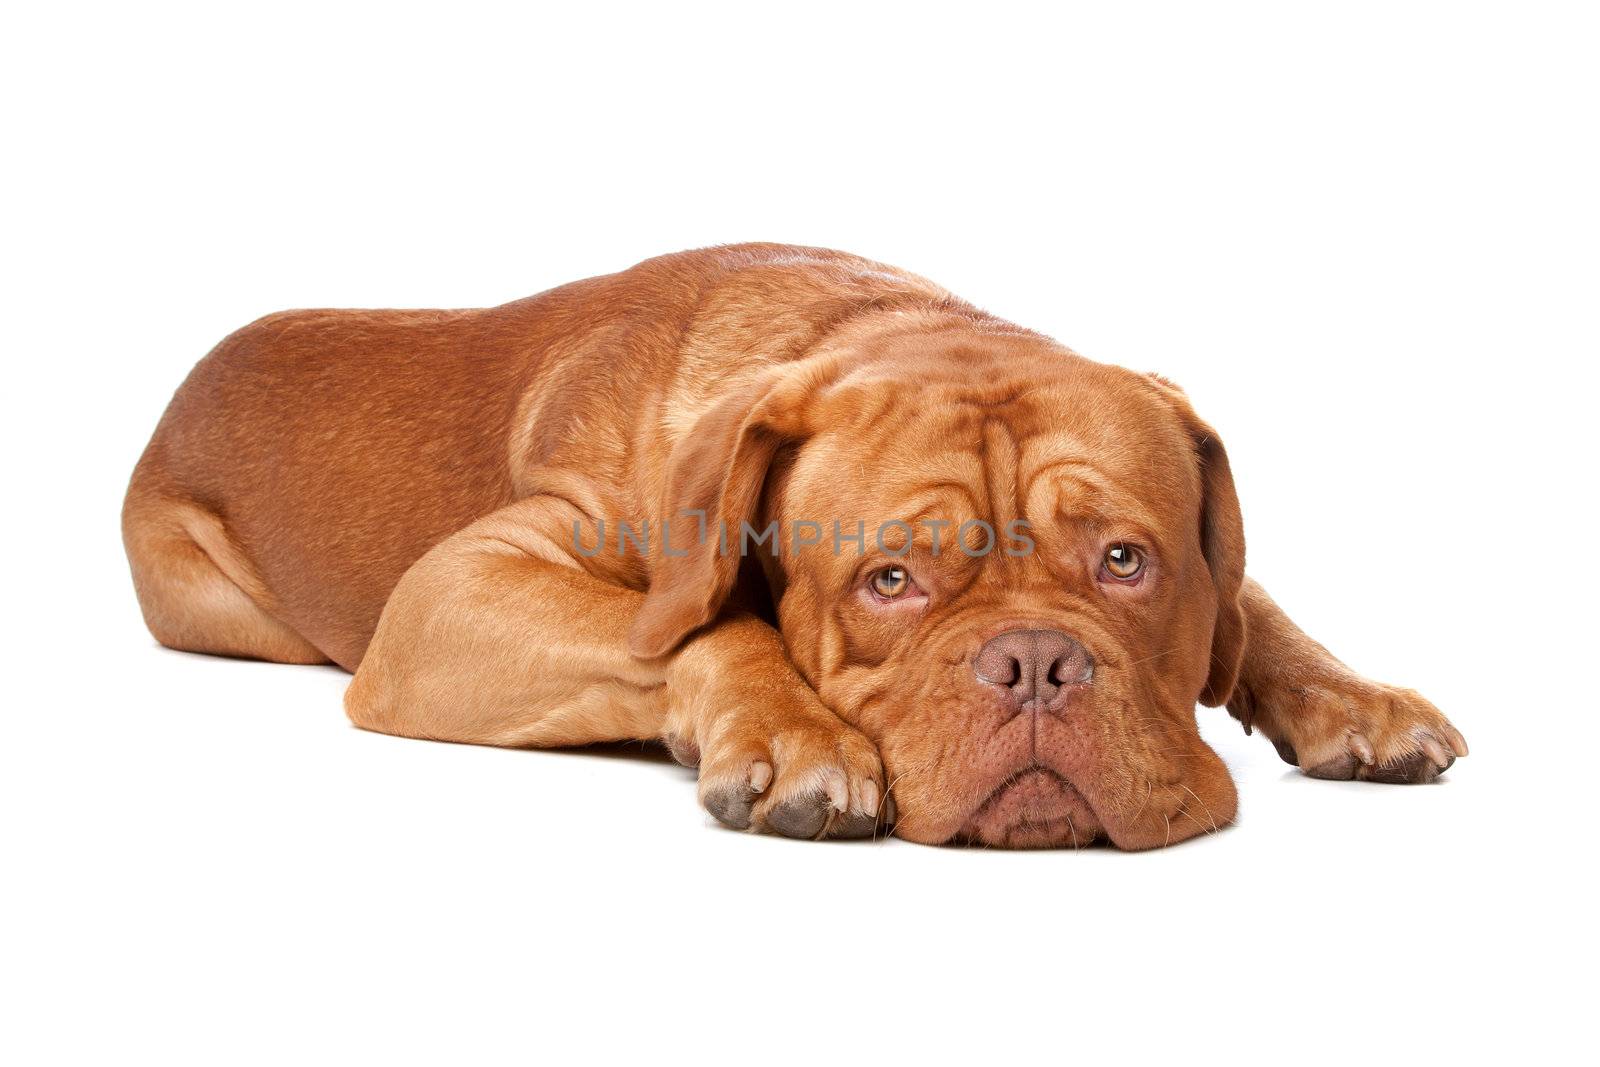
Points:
(196, 588)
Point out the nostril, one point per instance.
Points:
(1069, 662)
(1072, 670)
(999, 670)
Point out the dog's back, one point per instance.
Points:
(313, 456)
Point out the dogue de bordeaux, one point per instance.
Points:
(872, 559)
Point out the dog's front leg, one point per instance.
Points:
(500, 636)
(1325, 718)
(771, 755)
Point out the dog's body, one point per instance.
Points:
(420, 497)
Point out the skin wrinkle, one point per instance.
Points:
(998, 459)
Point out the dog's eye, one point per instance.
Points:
(891, 582)
(1123, 562)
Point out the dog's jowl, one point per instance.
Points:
(865, 555)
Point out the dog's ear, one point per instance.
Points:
(1222, 541)
(718, 470)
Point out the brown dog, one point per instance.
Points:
(835, 536)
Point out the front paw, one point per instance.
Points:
(1349, 728)
(805, 777)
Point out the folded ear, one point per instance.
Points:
(717, 469)
(1222, 541)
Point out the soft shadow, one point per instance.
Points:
(637, 751)
(1299, 776)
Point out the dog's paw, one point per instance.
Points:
(808, 779)
(1351, 728)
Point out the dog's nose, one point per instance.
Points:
(1033, 665)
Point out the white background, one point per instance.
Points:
(1363, 239)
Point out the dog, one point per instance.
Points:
(872, 559)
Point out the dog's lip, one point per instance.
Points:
(1027, 822)
(1014, 779)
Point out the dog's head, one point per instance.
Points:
(1014, 569)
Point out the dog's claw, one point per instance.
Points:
(838, 790)
(1361, 748)
(869, 796)
(1436, 752)
(760, 776)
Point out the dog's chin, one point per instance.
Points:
(1036, 808)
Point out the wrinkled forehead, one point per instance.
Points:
(1010, 442)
